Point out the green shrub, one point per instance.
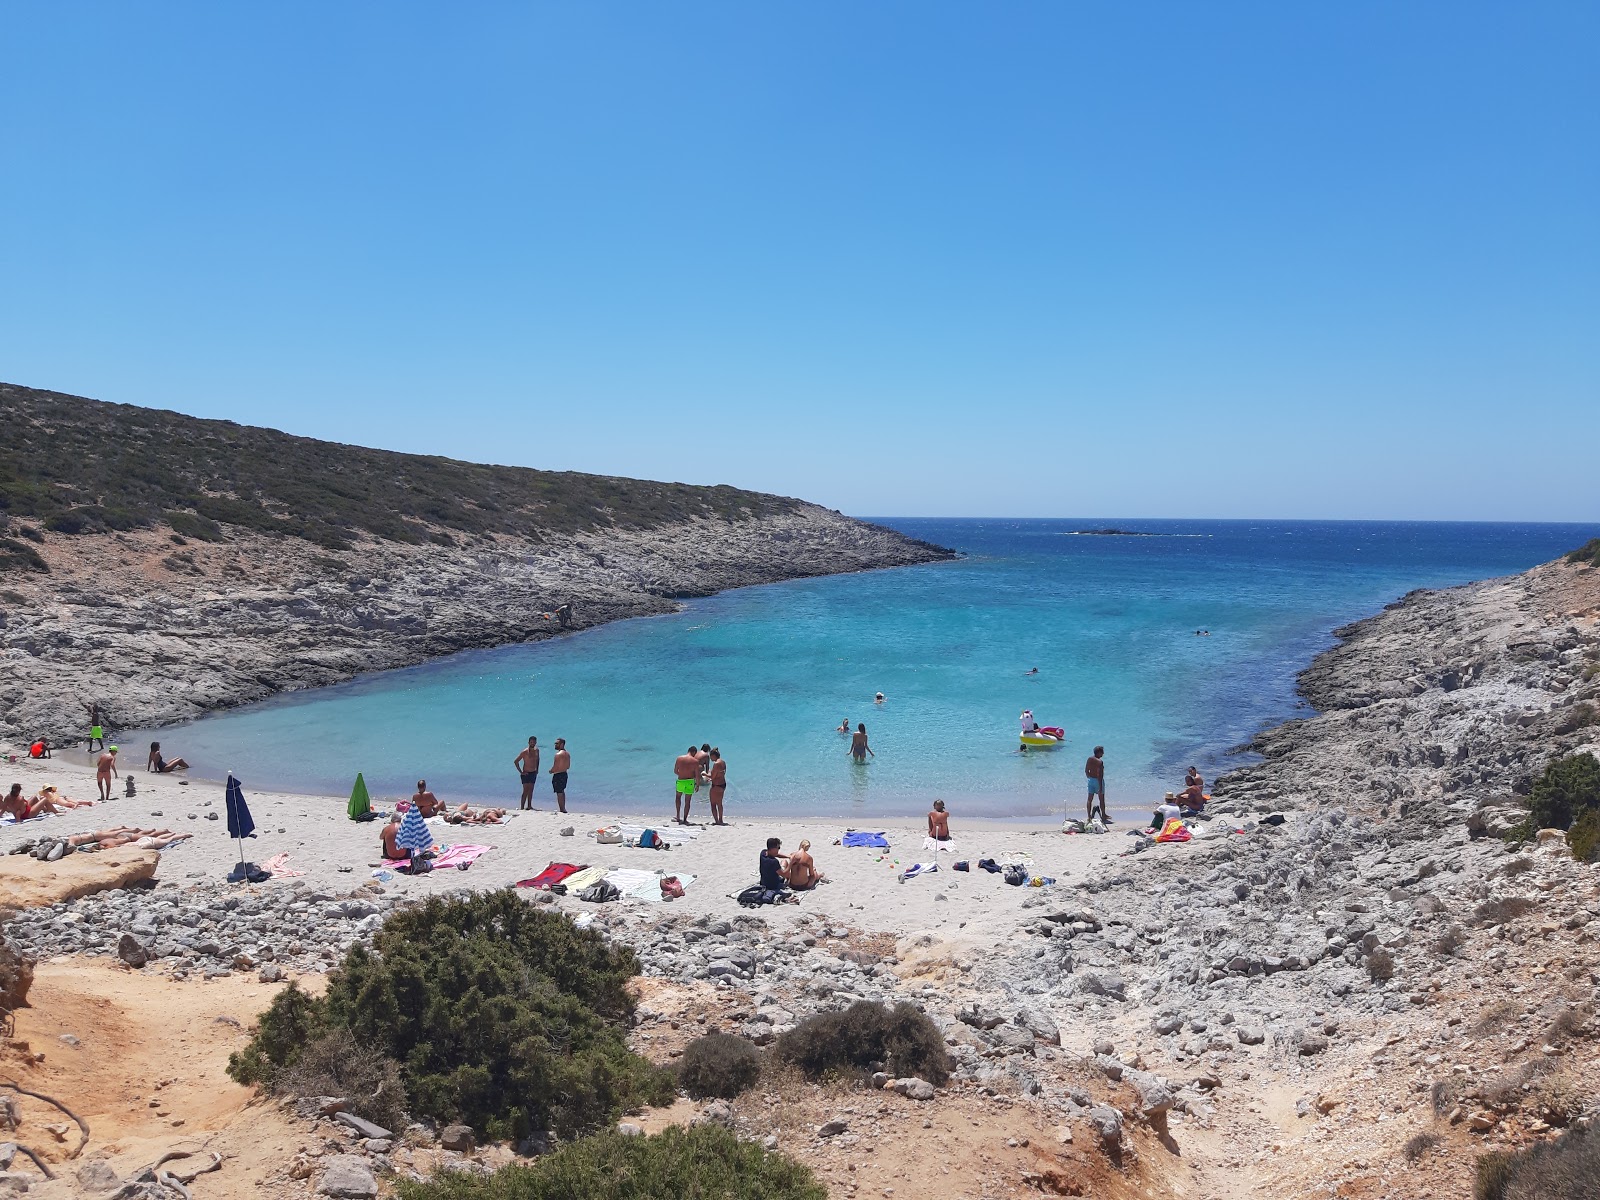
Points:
(718, 1064)
(504, 1017)
(703, 1163)
(202, 528)
(864, 1035)
(292, 1021)
(1567, 787)
(1583, 839)
(1588, 553)
(1563, 1169)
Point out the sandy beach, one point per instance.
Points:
(340, 854)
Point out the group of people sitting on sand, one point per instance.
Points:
(430, 805)
(1191, 802)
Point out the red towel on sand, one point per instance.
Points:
(550, 876)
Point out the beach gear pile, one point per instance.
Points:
(601, 885)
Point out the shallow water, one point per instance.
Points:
(767, 673)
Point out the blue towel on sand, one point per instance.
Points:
(865, 839)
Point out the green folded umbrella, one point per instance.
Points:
(360, 802)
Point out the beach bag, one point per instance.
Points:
(671, 889)
(651, 840)
(608, 836)
(754, 896)
(1016, 876)
(600, 892)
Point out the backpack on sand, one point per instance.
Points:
(600, 892)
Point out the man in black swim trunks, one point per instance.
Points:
(528, 763)
(559, 766)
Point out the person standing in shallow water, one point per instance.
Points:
(560, 764)
(1095, 770)
(719, 785)
(528, 764)
(858, 744)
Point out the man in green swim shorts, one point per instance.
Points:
(687, 769)
(97, 732)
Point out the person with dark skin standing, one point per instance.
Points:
(719, 784)
(97, 731)
(687, 769)
(1095, 770)
(528, 764)
(559, 766)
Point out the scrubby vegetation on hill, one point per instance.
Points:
(703, 1163)
(864, 1037)
(1567, 796)
(1567, 1168)
(83, 466)
(1588, 553)
(501, 1016)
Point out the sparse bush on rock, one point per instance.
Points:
(1563, 1169)
(718, 1064)
(903, 1038)
(1568, 788)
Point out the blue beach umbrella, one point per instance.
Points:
(240, 823)
(414, 833)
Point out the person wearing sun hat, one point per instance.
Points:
(104, 768)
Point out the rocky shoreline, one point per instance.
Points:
(160, 632)
(1348, 986)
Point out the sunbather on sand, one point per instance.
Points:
(467, 815)
(939, 823)
(802, 873)
(52, 795)
(392, 848)
(125, 835)
(15, 804)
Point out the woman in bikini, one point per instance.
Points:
(161, 766)
(719, 785)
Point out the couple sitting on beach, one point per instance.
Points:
(783, 873)
(49, 800)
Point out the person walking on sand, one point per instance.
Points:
(560, 764)
(858, 744)
(97, 732)
(687, 769)
(104, 768)
(1095, 769)
(719, 784)
(528, 764)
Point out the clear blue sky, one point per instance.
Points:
(1221, 259)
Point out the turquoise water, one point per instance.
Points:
(767, 673)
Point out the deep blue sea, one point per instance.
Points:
(767, 673)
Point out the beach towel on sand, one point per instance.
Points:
(460, 856)
(856, 838)
(584, 878)
(278, 867)
(916, 869)
(935, 845)
(550, 876)
(1174, 831)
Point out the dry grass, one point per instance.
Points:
(1498, 912)
(1420, 1144)
(1495, 1018)
(1449, 940)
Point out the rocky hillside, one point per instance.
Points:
(165, 565)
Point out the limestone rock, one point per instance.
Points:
(346, 1177)
(459, 1138)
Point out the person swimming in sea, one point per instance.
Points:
(1034, 671)
(878, 699)
(844, 726)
